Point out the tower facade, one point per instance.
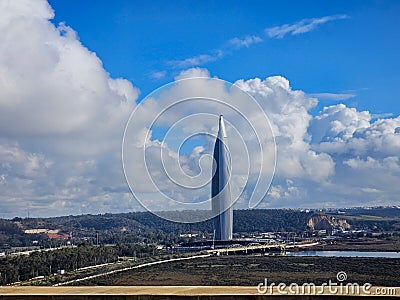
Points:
(220, 190)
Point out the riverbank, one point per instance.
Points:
(359, 244)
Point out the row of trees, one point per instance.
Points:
(45, 263)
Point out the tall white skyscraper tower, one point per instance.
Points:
(220, 190)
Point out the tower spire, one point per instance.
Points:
(220, 190)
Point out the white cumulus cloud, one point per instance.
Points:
(62, 118)
(59, 110)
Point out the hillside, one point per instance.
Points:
(145, 227)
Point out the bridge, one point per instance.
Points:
(258, 248)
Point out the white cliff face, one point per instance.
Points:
(321, 222)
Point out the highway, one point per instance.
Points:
(132, 268)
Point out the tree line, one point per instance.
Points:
(44, 263)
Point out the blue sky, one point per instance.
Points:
(326, 73)
(357, 55)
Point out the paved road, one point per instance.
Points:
(131, 268)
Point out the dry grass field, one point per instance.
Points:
(251, 270)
